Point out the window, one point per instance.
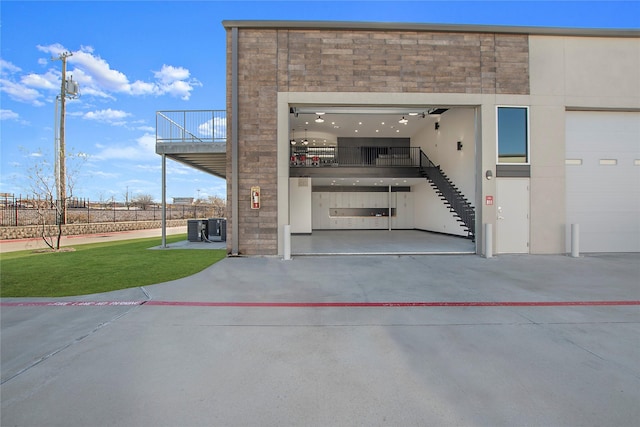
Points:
(513, 135)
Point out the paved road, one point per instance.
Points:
(262, 341)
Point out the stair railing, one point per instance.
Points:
(449, 192)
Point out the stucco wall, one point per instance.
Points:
(567, 73)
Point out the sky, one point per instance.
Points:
(133, 58)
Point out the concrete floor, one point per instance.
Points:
(560, 346)
(394, 242)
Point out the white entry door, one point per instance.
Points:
(512, 208)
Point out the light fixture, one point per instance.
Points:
(319, 119)
(488, 174)
(305, 141)
(403, 121)
(292, 140)
(459, 145)
(413, 114)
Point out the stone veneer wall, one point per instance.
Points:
(34, 231)
(294, 60)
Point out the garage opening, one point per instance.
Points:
(374, 180)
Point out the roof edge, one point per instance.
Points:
(459, 28)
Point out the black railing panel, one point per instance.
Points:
(355, 156)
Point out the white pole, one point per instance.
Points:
(389, 213)
(164, 200)
(488, 240)
(287, 242)
(575, 240)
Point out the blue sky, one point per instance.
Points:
(134, 58)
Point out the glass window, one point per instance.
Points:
(513, 135)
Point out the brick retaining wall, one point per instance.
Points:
(34, 231)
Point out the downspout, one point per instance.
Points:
(234, 142)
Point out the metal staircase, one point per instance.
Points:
(449, 194)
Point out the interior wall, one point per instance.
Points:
(431, 213)
(322, 201)
(457, 124)
(300, 204)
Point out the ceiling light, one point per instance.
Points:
(403, 121)
(319, 113)
(413, 114)
(319, 119)
(305, 141)
(292, 140)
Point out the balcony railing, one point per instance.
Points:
(304, 156)
(192, 126)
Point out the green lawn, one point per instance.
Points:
(99, 267)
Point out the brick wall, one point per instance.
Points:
(34, 231)
(283, 60)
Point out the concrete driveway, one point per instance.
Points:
(317, 341)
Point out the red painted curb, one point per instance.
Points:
(321, 304)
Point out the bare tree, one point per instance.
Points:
(42, 182)
(219, 206)
(143, 201)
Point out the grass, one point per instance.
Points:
(99, 267)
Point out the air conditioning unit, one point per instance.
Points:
(218, 229)
(196, 228)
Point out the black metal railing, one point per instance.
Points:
(355, 156)
(449, 193)
(191, 126)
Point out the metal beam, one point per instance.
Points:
(234, 143)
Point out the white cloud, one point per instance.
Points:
(169, 74)
(9, 115)
(21, 93)
(143, 149)
(49, 80)
(216, 128)
(114, 117)
(95, 77)
(7, 67)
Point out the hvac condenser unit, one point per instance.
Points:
(218, 229)
(196, 228)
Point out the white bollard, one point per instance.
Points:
(575, 240)
(488, 241)
(287, 242)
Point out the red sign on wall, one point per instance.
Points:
(488, 200)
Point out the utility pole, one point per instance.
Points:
(67, 88)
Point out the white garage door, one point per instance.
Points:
(603, 179)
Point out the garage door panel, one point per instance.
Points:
(604, 199)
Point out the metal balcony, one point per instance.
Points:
(197, 138)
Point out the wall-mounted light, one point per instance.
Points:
(488, 174)
(459, 145)
(403, 121)
(437, 125)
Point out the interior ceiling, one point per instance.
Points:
(358, 122)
